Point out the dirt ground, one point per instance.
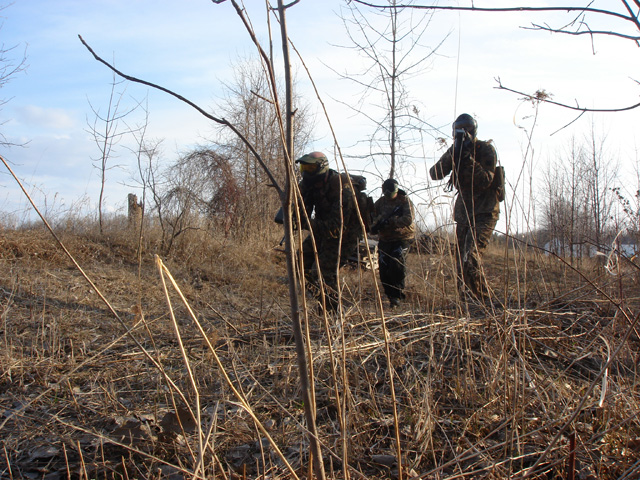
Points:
(133, 378)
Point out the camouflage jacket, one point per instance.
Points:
(476, 193)
(395, 226)
(329, 204)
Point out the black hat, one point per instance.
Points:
(390, 186)
(467, 123)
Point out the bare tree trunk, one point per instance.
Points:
(393, 107)
(392, 52)
(307, 387)
(106, 137)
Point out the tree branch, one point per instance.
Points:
(632, 17)
(542, 96)
(221, 121)
(537, 27)
(497, 9)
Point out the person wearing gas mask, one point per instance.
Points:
(393, 222)
(471, 164)
(330, 208)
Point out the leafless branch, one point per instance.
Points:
(632, 17)
(578, 26)
(498, 9)
(542, 96)
(565, 126)
(547, 28)
(206, 114)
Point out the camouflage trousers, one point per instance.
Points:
(328, 252)
(472, 239)
(350, 241)
(393, 266)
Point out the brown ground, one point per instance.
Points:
(90, 390)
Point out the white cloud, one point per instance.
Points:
(36, 117)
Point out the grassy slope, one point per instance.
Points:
(480, 392)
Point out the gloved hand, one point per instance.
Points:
(461, 144)
(462, 137)
(334, 232)
(375, 229)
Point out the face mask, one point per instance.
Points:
(390, 195)
(308, 169)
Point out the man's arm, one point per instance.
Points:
(443, 167)
(478, 170)
(405, 217)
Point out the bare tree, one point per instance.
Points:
(144, 153)
(107, 132)
(628, 215)
(9, 68)
(212, 185)
(154, 186)
(176, 192)
(176, 208)
(248, 105)
(627, 16)
(564, 189)
(578, 198)
(391, 45)
(601, 178)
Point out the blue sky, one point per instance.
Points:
(189, 47)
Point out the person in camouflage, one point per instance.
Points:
(472, 165)
(354, 233)
(329, 205)
(394, 224)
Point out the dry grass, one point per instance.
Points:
(481, 391)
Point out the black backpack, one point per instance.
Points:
(498, 183)
(365, 202)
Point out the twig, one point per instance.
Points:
(128, 331)
(243, 401)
